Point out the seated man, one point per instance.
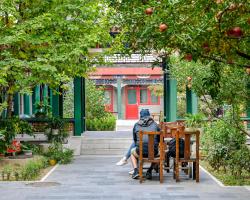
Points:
(146, 123)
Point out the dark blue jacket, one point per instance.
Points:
(145, 124)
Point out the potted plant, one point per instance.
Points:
(42, 110)
(54, 153)
(26, 150)
(193, 122)
(56, 125)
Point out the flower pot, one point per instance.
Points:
(52, 162)
(47, 131)
(55, 131)
(27, 152)
(191, 129)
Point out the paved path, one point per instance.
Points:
(90, 177)
(107, 134)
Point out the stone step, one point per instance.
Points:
(106, 141)
(105, 146)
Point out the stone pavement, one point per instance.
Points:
(97, 177)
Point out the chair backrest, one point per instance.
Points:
(151, 143)
(169, 128)
(186, 135)
(156, 116)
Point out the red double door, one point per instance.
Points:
(134, 97)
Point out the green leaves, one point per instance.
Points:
(47, 41)
(190, 24)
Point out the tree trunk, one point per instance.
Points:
(9, 105)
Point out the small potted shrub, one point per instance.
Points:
(53, 153)
(193, 122)
(57, 154)
(26, 150)
(42, 110)
(56, 125)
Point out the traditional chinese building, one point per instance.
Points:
(126, 86)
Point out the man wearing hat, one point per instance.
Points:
(146, 123)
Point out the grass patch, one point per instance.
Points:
(226, 178)
(29, 169)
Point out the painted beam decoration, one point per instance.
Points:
(128, 81)
(142, 81)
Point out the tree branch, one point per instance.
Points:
(243, 55)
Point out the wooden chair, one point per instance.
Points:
(186, 135)
(156, 116)
(151, 155)
(169, 130)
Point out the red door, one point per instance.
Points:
(132, 102)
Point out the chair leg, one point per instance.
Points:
(177, 171)
(197, 172)
(161, 172)
(194, 170)
(190, 173)
(174, 175)
(140, 171)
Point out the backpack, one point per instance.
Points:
(172, 148)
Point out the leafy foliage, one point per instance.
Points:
(9, 128)
(47, 41)
(199, 30)
(95, 104)
(57, 152)
(194, 120)
(106, 123)
(97, 118)
(225, 147)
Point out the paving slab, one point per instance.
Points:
(97, 177)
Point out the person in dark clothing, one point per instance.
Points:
(146, 123)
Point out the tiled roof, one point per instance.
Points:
(127, 71)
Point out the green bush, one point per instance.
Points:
(35, 148)
(59, 124)
(57, 152)
(9, 128)
(106, 123)
(224, 145)
(240, 161)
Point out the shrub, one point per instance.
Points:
(57, 152)
(106, 123)
(60, 125)
(35, 148)
(221, 140)
(240, 161)
(9, 128)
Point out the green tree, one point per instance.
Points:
(47, 41)
(208, 41)
(217, 30)
(95, 102)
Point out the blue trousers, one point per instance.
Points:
(128, 154)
